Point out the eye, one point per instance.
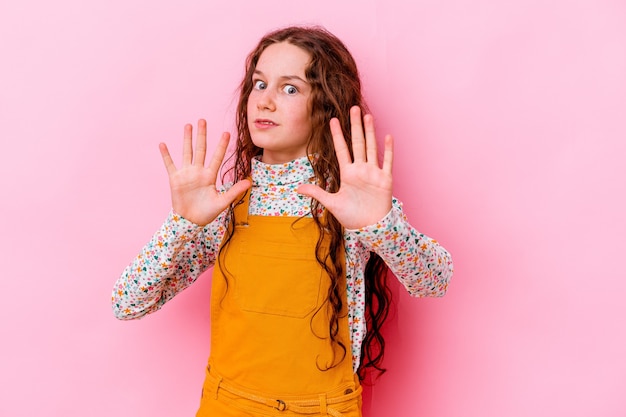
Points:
(259, 85)
(290, 89)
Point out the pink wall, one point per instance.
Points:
(510, 126)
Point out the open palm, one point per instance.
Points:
(193, 186)
(365, 193)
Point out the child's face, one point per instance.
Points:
(279, 117)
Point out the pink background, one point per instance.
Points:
(510, 126)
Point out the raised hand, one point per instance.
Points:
(364, 196)
(194, 194)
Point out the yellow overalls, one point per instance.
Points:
(270, 349)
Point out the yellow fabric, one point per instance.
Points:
(225, 399)
(269, 326)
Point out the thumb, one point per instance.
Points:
(314, 191)
(237, 189)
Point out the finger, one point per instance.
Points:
(341, 149)
(236, 190)
(370, 139)
(167, 159)
(315, 192)
(187, 149)
(388, 155)
(218, 156)
(200, 152)
(356, 128)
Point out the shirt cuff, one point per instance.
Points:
(373, 236)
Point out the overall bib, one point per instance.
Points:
(270, 349)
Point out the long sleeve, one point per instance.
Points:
(171, 261)
(180, 251)
(422, 265)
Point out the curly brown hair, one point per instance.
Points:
(335, 87)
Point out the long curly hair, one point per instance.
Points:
(335, 87)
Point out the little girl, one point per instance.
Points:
(301, 238)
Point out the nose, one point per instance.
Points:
(265, 101)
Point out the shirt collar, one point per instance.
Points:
(297, 171)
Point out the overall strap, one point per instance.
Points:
(241, 209)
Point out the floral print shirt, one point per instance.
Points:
(181, 250)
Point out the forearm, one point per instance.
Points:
(422, 265)
(171, 261)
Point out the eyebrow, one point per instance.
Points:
(283, 77)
